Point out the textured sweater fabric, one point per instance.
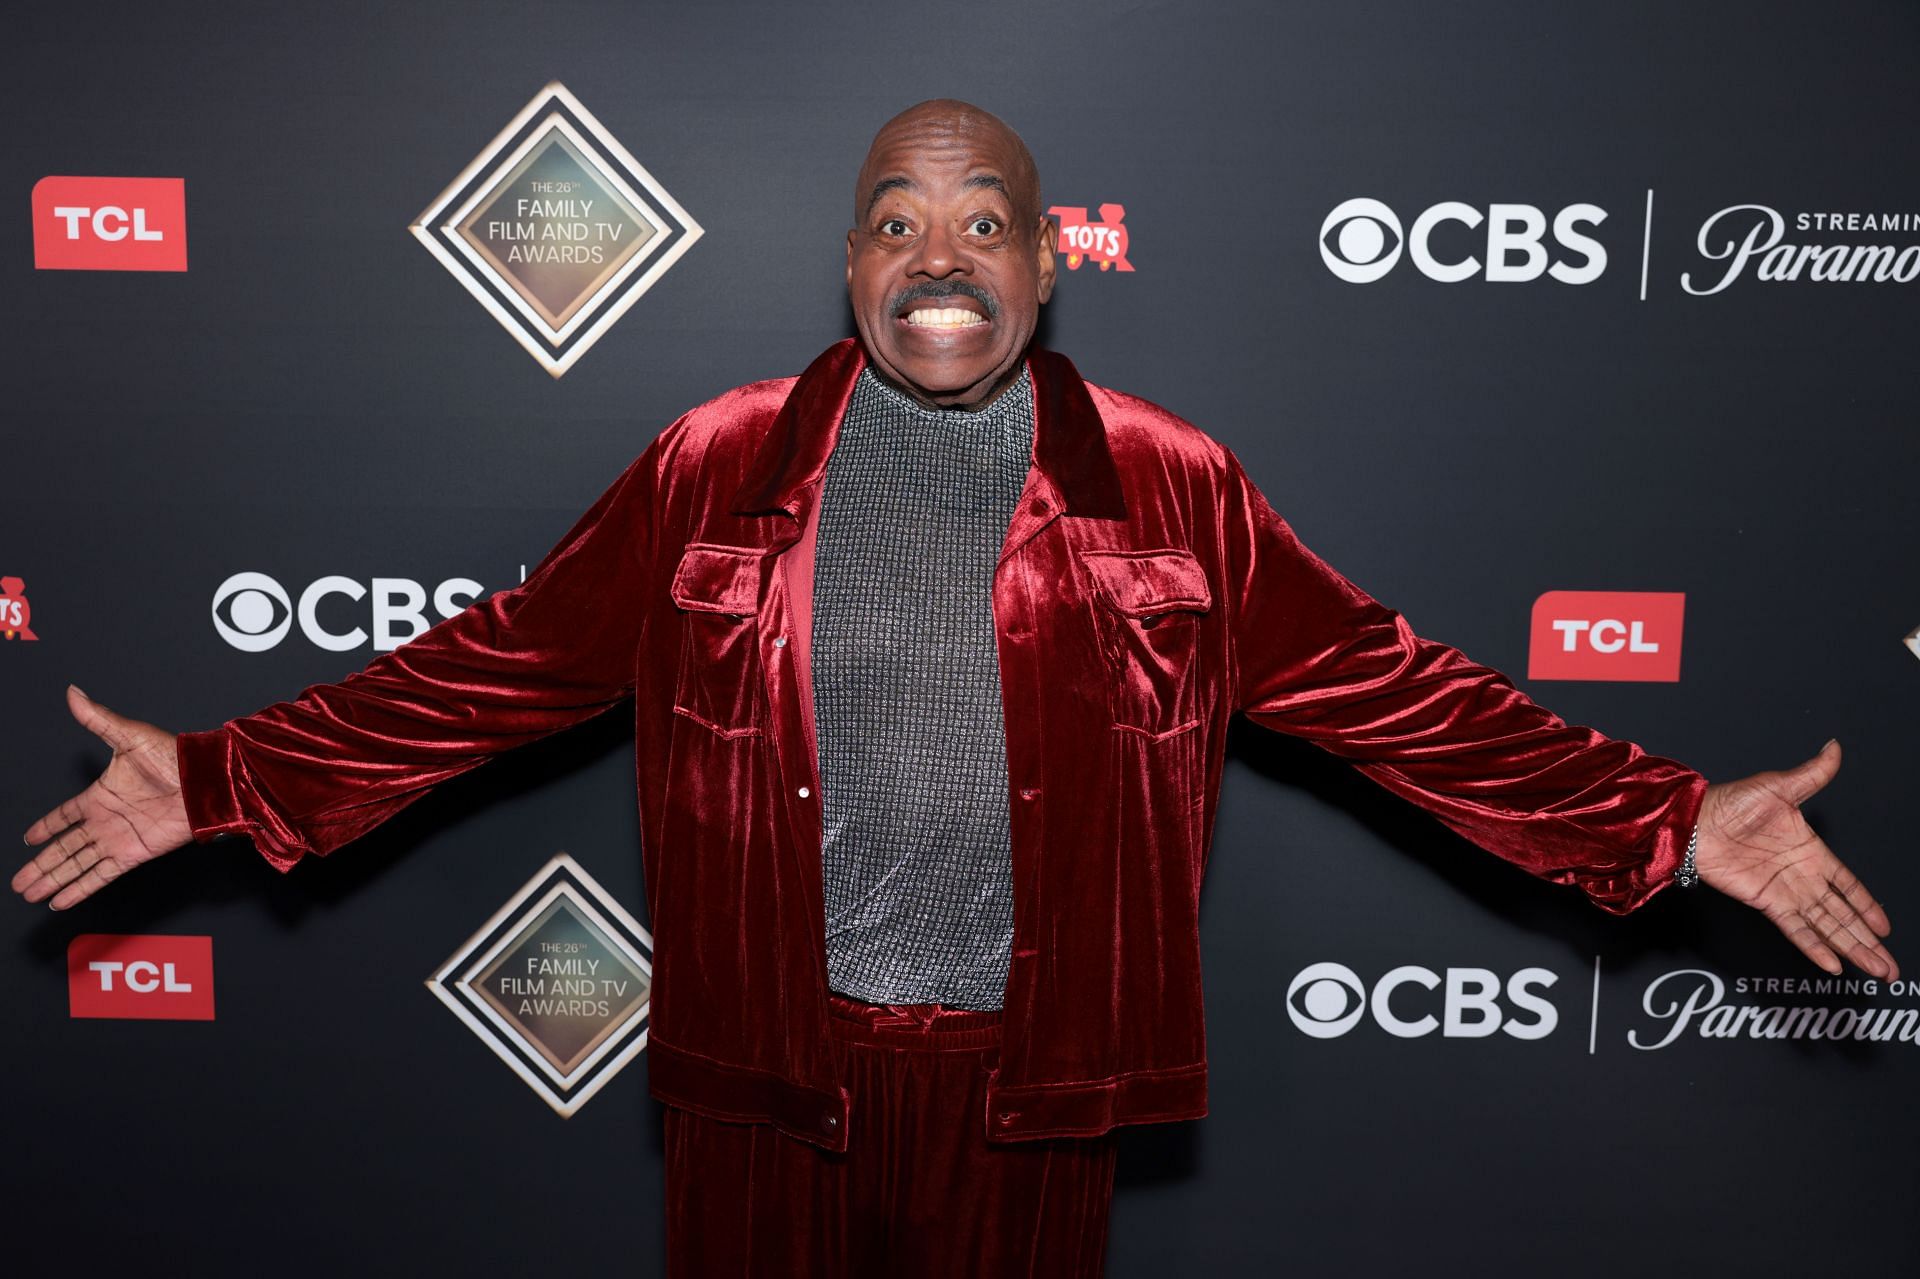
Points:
(906, 688)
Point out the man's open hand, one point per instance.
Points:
(131, 815)
(1757, 848)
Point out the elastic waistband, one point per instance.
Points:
(921, 1027)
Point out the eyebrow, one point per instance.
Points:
(989, 181)
(979, 181)
(885, 185)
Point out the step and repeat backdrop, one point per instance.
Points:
(1583, 336)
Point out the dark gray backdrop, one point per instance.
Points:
(316, 395)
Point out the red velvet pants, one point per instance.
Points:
(919, 1191)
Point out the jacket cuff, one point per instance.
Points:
(206, 785)
(1622, 894)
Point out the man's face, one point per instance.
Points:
(950, 259)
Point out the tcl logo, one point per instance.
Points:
(1607, 635)
(1326, 1000)
(110, 224)
(1361, 240)
(254, 613)
(140, 975)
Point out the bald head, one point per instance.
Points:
(948, 126)
(950, 256)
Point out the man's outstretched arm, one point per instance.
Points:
(309, 775)
(1316, 657)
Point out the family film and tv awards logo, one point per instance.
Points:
(558, 984)
(556, 229)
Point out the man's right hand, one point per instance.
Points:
(133, 814)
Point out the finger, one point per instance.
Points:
(1806, 781)
(95, 878)
(1802, 935)
(57, 867)
(70, 840)
(1860, 899)
(68, 814)
(72, 868)
(1847, 936)
(98, 720)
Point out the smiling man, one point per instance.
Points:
(932, 652)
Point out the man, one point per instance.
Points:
(933, 651)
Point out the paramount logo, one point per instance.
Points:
(1695, 1001)
(556, 229)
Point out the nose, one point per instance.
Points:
(939, 255)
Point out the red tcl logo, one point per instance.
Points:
(110, 224)
(140, 975)
(1607, 635)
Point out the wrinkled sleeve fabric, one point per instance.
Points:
(306, 776)
(1316, 657)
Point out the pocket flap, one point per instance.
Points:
(719, 579)
(1148, 583)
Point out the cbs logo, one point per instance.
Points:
(1361, 240)
(1326, 1000)
(254, 613)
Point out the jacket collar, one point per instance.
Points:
(1069, 440)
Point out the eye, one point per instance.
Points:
(984, 226)
(893, 226)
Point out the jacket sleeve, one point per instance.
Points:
(309, 775)
(1316, 657)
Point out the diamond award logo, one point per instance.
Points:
(556, 229)
(558, 984)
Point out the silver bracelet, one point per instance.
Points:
(1687, 876)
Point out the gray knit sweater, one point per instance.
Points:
(906, 695)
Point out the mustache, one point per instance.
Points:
(929, 290)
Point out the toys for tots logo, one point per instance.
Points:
(1607, 635)
(110, 224)
(1103, 243)
(14, 611)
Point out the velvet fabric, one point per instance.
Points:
(1145, 593)
(918, 1191)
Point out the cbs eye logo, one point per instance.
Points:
(252, 612)
(1326, 1000)
(1361, 240)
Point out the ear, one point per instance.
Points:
(851, 232)
(1047, 245)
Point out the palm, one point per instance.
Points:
(132, 814)
(1757, 848)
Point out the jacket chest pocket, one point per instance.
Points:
(718, 592)
(1149, 608)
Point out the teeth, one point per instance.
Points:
(951, 317)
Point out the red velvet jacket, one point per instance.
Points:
(1146, 592)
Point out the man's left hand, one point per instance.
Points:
(1756, 848)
